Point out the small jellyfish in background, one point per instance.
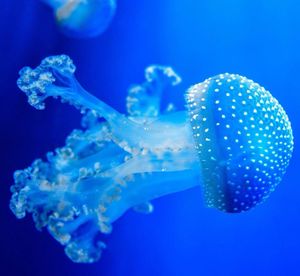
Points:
(83, 18)
(234, 140)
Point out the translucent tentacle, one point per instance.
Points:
(64, 194)
(108, 166)
(144, 100)
(54, 77)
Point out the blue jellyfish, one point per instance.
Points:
(234, 140)
(83, 18)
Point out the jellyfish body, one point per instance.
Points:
(83, 18)
(119, 162)
(244, 139)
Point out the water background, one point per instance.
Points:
(199, 38)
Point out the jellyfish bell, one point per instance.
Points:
(244, 140)
(234, 140)
(83, 18)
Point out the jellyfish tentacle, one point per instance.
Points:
(149, 168)
(54, 77)
(67, 199)
(167, 161)
(153, 185)
(144, 100)
(99, 174)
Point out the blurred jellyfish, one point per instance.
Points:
(83, 18)
(235, 141)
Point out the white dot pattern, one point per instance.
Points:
(244, 140)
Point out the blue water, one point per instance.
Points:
(258, 39)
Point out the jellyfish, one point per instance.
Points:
(234, 140)
(83, 18)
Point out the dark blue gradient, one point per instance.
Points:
(258, 39)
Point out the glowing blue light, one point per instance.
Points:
(83, 18)
(235, 139)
